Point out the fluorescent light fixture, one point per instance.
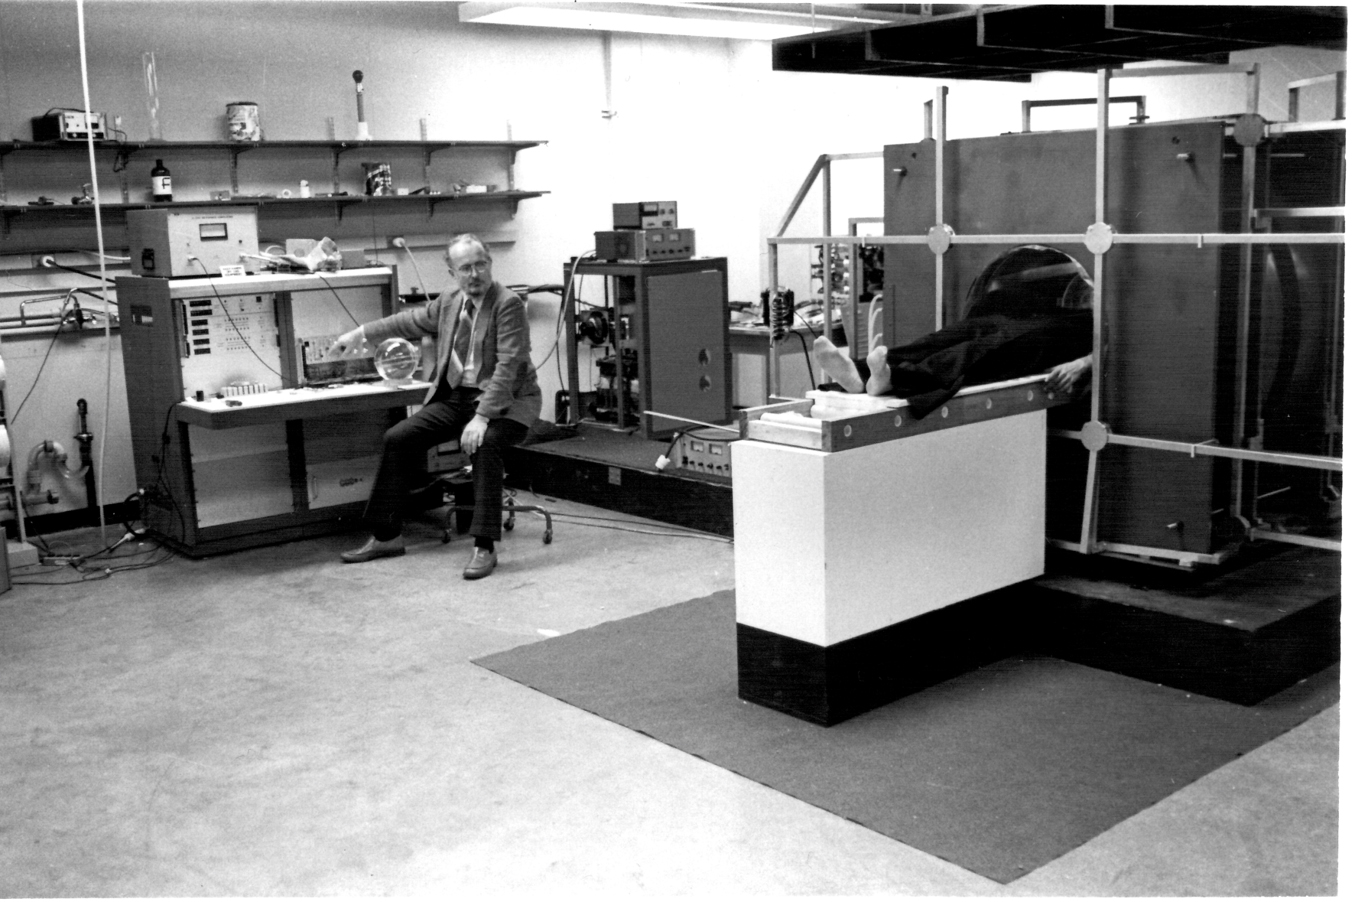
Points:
(744, 21)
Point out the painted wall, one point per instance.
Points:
(702, 121)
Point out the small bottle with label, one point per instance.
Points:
(161, 188)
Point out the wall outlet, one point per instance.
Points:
(397, 241)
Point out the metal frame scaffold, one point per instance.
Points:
(1100, 238)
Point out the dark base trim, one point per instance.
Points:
(225, 545)
(827, 685)
(44, 524)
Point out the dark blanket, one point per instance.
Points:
(976, 350)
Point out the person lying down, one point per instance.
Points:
(1028, 312)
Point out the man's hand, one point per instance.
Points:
(1071, 378)
(349, 344)
(473, 434)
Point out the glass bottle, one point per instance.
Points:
(161, 188)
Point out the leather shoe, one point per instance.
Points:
(373, 549)
(482, 562)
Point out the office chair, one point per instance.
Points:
(454, 494)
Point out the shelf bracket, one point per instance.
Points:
(427, 167)
(4, 196)
(334, 172)
(120, 163)
(235, 171)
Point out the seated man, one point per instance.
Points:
(1028, 312)
(484, 392)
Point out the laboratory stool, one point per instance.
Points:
(457, 493)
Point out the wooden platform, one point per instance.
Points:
(1240, 633)
(615, 471)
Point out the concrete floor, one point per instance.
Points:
(273, 723)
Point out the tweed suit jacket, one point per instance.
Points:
(505, 376)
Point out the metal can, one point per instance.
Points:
(242, 121)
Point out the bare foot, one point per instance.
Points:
(837, 365)
(879, 382)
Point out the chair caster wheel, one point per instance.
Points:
(446, 537)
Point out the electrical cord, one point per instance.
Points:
(127, 521)
(162, 479)
(230, 319)
(583, 520)
(676, 532)
(809, 325)
(667, 457)
(49, 262)
(567, 290)
(61, 323)
(338, 298)
(808, 362)
(75, 558)
(92, 573)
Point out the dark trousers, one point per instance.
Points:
(404, 454)
(982, 349)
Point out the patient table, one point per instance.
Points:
(858, 529)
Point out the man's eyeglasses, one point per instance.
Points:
(479, 266)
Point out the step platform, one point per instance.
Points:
(616, 471)
(1242, 631)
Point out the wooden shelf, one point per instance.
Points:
(116, 213)
(132, 147)
(333, 201)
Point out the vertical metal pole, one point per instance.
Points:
(1333, 417)
(773, 355)
(235, 172)
(939, 111)
(571, 347)
(1102, 139)
(849, 311)
(1091, 495)
(1241, 427)
(827, 176)
(607, 110)
(827, 250)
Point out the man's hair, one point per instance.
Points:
(468, 238)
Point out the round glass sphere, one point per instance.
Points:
(396, 360)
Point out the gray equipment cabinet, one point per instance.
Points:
(669, 337)
(229, 451)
